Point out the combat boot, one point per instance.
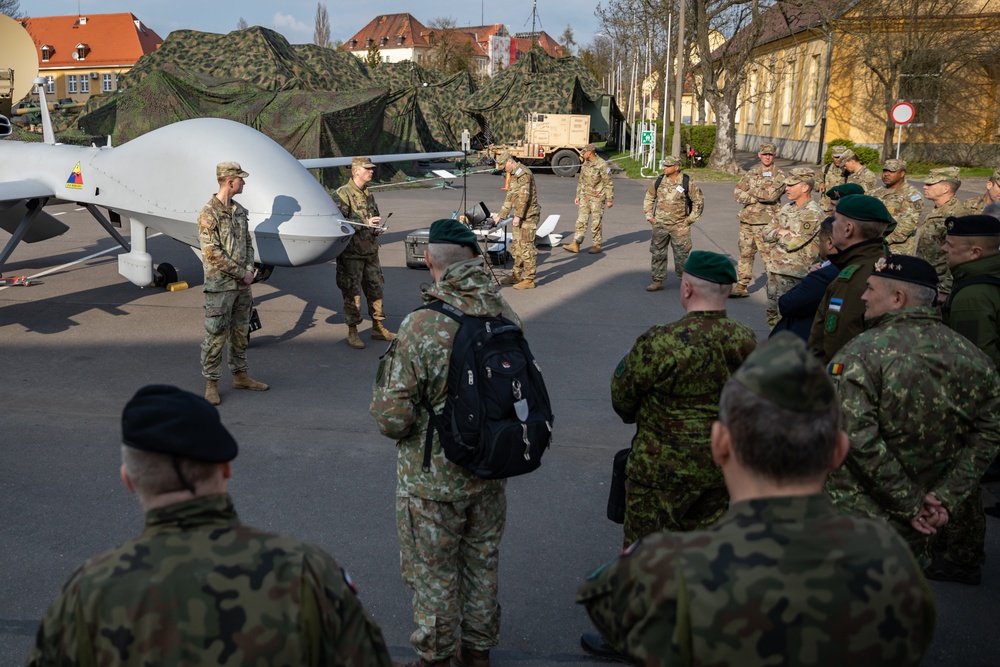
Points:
(525, 284)
(739, 292)
(243, 381)
(353, 339)
(595, 249)
(379, 332)
(654, 286)
(470, 657)
(212, 392)
(512, 279)
(572, 247)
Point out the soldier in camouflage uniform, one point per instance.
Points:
(227, 258)
(833, 174)
(449, 521)
(668, 386)
(904, 204)
(594, 189)
(358, 266)
(941, 187)
(857, 172)
(759, 193)
(197, 587)
(522, 203)
(914, 472)
(781, 579)
(794, 239)
(666, 209)
(991, 196)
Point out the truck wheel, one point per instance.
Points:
(565, 163)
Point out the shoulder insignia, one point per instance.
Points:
(915, 197)
(831, 322)
(835, 370)
(349, 581)
(836, 305)
(620, 369)
(848, 271)
(518, 172)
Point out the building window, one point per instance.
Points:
(752, 97)
(50, 85)
(84, 83)
(71, 84)
(787, 88)
(81, 51)
(812, 110)
(920, 85)
(46, 53)
(106, 87)
(768, 81)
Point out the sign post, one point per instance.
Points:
(902, 114)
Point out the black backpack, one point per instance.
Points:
(497, 419)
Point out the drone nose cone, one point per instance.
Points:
(301, 239)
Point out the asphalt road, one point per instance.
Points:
(78, 343)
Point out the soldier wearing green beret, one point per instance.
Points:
(904, 204)
(668, 386)
(759, 193)
(594, 189)
(781, 578)
(859, 223)
(197, 587)
(941, 187)
(442, 510)
(833, 195)
(914, 473)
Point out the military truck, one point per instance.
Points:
(555, 140)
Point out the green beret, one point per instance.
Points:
(167, 420)
(973, 225)
(864, 208)
(710, 266)
(845, 189)
(906, 268)
(784, 371)
(453, 232)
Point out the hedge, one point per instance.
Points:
(866, 156)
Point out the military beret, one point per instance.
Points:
(784, 371)
(589, 148)
(670, 161)
(502, 158)
(838, 150)
(845, 189)
(893, 165)
(950, 174)
(230, 170)
(973, 225)
(863, 207)
(848, 154)
(801, 175)
(453, 232)
(171, 421)
(710, 266)
(364, 162)
(906, 268)
(767, 148)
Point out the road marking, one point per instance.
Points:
(59, 213)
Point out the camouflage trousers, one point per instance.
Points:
(449, 555)
(356, 275)
(522, 247)
(963, 538)
(751, 240)
(677, 235)
(678, 509)
(593, 209)
(778, 285)
(227, 320)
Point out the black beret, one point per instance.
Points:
(864, 208)
(710, 266)
(906, 268)
(453, 232)
(168, 420)
(973, 225)
(845, 189)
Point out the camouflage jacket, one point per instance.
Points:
(976, 206)
(841, 314)
(595, 181)
(358, 205)
(974, 311)
(759, 193)
(668, 385)
(226, 245)
(196, 588)
(667, 204)
(415, 367)
(778, 581)
(864, 177)
(922, 408)
(522, 195)
(905, 205)
(832, 175)
(931, 235)
(793, 255)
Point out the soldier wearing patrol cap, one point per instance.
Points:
(197, 587)
(833, 174)
(227, 257)
(522, 204)
(991, 196)
(759, 193)
(594, 190)
(904, 204)
(671, 205)
(941, 187)
(914, 473)
(781, 565)
(857, 172)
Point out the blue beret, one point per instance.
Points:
(167, 420)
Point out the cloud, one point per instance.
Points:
(286, 22)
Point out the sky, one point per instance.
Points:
(295, 18)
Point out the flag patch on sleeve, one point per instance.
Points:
(836, 305)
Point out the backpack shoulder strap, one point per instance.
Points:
(686, 184)
(659, 179)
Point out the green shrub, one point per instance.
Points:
(702, 137)
(869, 157)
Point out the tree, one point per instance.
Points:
(374, 57)
(11, 8)
(321, 33)
(452, 50)
(242, 24)
(568, 40)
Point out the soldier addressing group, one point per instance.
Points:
(197, 587)
(941, 187)
(793, 239)
(833, 174)
(904, 204)
(595, 189)
(857, 172)
(759, 193)
(522, 203)
(358, 266)
(781, 579)
(671, 205)
(227, 257)
(922, 409)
